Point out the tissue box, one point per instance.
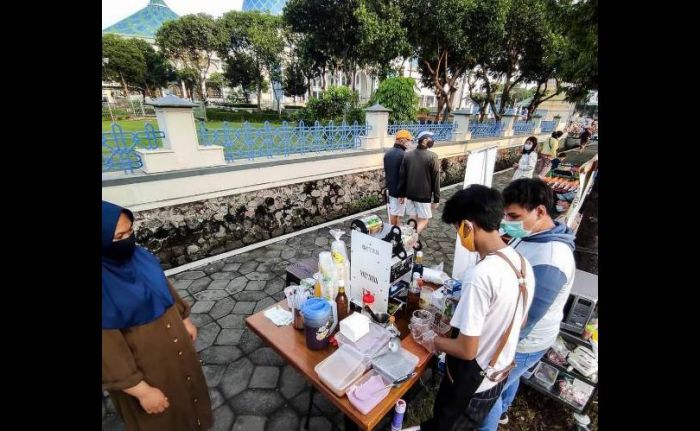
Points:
(355, 326)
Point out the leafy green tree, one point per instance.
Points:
(240, 70)
(126, 63)
(159, 72)
(256, 39)
(438, 37)
(191, 42)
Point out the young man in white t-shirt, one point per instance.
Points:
(494, 299)
(549, 246)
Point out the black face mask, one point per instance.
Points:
(123, 249)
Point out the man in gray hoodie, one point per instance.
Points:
(419, 180)
(549, 247)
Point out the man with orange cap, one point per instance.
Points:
(392, 165)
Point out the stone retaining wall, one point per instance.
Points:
(192, 231)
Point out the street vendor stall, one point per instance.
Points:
(568, 372)
(291, 345)
(571, 185)
(369, 363)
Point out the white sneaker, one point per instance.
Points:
(503, 419)
(415, 428)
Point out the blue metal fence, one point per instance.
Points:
(486, 129)
(523, 128)
(547, 126)
(441, 131)
(119, 147)
(249, 142)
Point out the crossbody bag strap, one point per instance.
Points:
(523, 293)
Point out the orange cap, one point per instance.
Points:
(404, 134)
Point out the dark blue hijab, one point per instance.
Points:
(134, 291)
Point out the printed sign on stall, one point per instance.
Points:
(370, 270)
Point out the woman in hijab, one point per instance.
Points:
(149, 364)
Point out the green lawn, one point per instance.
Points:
(138, 125)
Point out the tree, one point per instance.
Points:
(294, 80)
(330, 26)
(312, 62)
(480, 92)
(190, 78)
(440, 43)
(383, 38)
(158, 73)
(569, 62)
(579, 21)
(191, 41)
(216, 81)
(255, 38)
(506, 37)
(240, 70)
(126, 61)
(521, 93)
(398, 94)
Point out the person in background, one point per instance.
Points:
(549, 246)
(549, 152)
(489, 315)
(526, 165)
(392, 167)
(585, 137)
(560, 158)
(419, 180)
(149, 363)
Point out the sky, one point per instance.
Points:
(115, 10)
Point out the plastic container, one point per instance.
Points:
(394, 365)
(368, 384)
(545, 375)
(341, 369)
(320, 319)
(370, 344)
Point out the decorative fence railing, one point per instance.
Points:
(523, 128)
(119, 147)
(486, 129)
(441, 131)
(547, 126)
(249, 142)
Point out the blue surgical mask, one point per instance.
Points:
(514, 229)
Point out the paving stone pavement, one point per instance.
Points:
(251, 386)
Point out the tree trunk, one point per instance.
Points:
(259, 89)
(354, 77)
(126, 87)
(440, 106)
(203, 89)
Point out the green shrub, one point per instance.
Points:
(398, 94)
(335, 104)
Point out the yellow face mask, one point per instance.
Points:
(466, 238)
